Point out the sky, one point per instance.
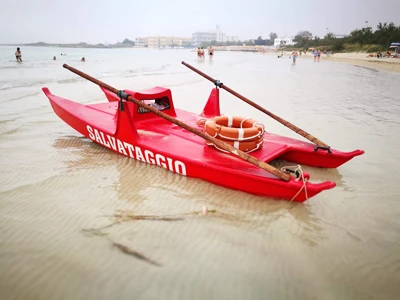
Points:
(99, 21)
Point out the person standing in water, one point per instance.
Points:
(315, 54)
(202, 53)
(18, 54)
(210, 52)
(198, 53)
(294, 56)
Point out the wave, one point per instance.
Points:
(21, 97)
(146, 71)
(12, 85)
(70, 80)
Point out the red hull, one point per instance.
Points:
(151, 139)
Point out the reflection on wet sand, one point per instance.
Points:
(151, 193)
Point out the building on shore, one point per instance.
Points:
(212, 35)
(284, 41)
(205, 36)
(141, 42)
(221, 36)
(232, 38)
(163, 41)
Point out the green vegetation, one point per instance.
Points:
(365, 39)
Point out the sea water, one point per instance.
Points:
(81, 222)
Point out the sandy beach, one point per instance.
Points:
(81, 222)
(361, 59)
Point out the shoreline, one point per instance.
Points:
(384, 64)
(354, 58)
(358, 59)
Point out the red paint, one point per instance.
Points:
(151, 139)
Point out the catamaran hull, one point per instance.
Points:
(151, 139)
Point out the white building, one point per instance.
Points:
(200, 37)
(141, 41)
(221, 36)
(212, 35)
(232, 38)
(163, 41)
(285, 41)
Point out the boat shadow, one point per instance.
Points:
(146, 192)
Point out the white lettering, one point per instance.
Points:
(98, 138)
(170, 167)
(139, 154)
(180, 167)
(111, 139)
(121, 148)
(159, 157)
(150, 159)
(90, 130)
(104, 140)
(130, 149)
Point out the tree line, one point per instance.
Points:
(364, 39)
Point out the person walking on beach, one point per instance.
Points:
(319, 54)
(294, 56)
(18, 54)
(210, 52)
(198, 53)
(315, 54)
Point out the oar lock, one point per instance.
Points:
(122, 95)
(218, 83)
(323, 148)
(295, 172)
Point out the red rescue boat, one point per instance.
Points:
(133, 131)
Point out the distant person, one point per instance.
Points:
(294, 56)
(319, 54)
(202, 53)
(18, 54)
(83, 59)
(198, 53)
(54, 58)
(210, 52)
(315, 54)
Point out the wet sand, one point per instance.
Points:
(362, 60)
(81, 222)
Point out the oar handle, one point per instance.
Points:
(272, 115)
(251, 159)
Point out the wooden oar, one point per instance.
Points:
(218, 143)
(280, 120)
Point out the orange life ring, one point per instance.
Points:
(245, 146)
(234, 128)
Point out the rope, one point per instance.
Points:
(263, 126)
(245, 119)
(297, 170)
